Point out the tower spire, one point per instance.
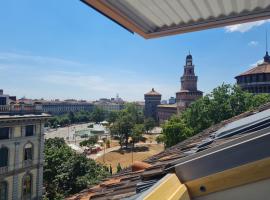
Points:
(266, 40)
(266, 57)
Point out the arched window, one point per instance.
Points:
(27, 187)
(28, 151)
(3, 190)
(3, 157)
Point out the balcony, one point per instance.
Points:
(20, 109)
(3, 170)
(27, 163)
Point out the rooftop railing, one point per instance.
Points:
(20, 109)
(3, 170)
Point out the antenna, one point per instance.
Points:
(266, 40)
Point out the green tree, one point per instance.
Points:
(71, 117)
(222, 103)
(90, 141)
(122, 128)
(112, 116)
(98, 115)
(66, 172)
(137, 133)
(136, 115)
(175, 131)
(149, 124)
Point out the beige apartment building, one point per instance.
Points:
(21, 151)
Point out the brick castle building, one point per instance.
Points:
(152, 100)
(257, 79)
(187, 94)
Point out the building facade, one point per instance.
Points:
(62, 107)
(165, 112)
(152, 100)
(187, 94)
(257, 79)
(21, 152)
(109, 106)
(172, 100)
(189, 91)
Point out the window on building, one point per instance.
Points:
(3, 101)
(28, 152)
(3, 157)
(29, 130)
(27, 187)
(4, 133)
(3, 190)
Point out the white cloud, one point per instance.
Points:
(257, 63)
(253, 43)
(21, 60)
(98, 85)
(51, 77)
(245, 26)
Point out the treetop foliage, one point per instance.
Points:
(222, 103)
(66, 172)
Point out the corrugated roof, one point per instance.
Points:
(129, 185)
(155, 18)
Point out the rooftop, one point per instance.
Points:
(259, 69)
(131, 183)
(153, 93)
(16, 116)
(15, 109)
(167, 106)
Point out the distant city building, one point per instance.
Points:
(140, 105)
(172, 100)
(184, 97)
(188, 92)
(21, 149)
(164, 102)
(152, 100)
(61, 107)
(109, 106)
(257, 79)
(6, 99)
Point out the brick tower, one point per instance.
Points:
(152, 100)
(188, 92)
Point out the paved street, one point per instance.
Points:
(67, 133)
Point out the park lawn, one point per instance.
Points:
(125, 158)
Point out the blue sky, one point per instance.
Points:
(63, 49)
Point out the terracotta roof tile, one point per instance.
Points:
(260, 69)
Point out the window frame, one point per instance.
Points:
(25, 196)
(6, 189)
(8, 137)
(33, 133)
(7, 160)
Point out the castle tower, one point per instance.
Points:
(152, 100)
(188, 92)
